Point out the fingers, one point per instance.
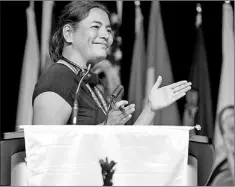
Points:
(125, 119)
(119, 118)
(129, 109)
(181, 93)
(158, 82)
(182, 87)
(177, 84)
(183, 90)
(120, 103)
(127, 114)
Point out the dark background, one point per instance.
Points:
(180, 32)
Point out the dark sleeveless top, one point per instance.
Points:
(63, 81)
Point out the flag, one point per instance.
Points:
(199, 77)
(119, 5)
(226, 88)
(47, 10)
(29, 72)
(138, 68)
(159, 64)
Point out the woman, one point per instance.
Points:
(84, 35)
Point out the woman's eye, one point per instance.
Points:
(109, 31)
(95, 26)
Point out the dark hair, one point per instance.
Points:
(72, 14)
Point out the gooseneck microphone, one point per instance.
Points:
(75, 103)
(116, 93)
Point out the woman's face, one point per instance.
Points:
(93, 36)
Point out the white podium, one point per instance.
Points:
(141, 155)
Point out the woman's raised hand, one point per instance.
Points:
(164, 96)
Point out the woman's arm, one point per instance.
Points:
(160, 98)
(50, 109)
(146, 117)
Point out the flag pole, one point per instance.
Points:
(31, 4)
(138, 16)
(119, 5)
(199, 15)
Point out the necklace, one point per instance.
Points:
(96, 94)
(101, 104)
(77, 67)
(100, 96)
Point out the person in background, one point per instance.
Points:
(226, 124)
(191, 109)
(83, 36)
(223, 172)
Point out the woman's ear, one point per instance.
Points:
(68, 33)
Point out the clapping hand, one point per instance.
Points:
(120, 117)
(164, 96)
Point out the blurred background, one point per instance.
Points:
(165, 38)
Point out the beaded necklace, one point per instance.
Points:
(96, 94)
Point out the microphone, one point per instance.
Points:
(75, 103)
(117, 93)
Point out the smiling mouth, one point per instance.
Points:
(104, 45)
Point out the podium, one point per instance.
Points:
(200, 152)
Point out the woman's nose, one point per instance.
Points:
(104, 34)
